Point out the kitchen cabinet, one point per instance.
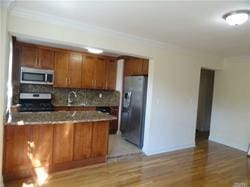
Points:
(42, 139)
(25, 148)
(55, 147)
(35, 57)
(83, 141)
(63, 143)
(135, 66)
(68, 67)
(100, 74)
(88, 72)
(111, 70)
(72, 69)
(100, 139)
(45, 58)
(145, 66)
(16, 149)
(29, 56)
(61, 69)
(75, 70)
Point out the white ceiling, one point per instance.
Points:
(195, 25)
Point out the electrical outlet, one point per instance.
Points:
(100, 95)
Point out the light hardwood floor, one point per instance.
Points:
(208, 164)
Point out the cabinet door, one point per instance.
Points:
(42, 138)
(145, 64)
(46, 58)
(16, 151)
(132, 67)
(83, 140)
(61, 69)
(111, 67)
(75, 70)
(100, 73)
(63, 143)
(100, 139)
(29, 56)
(88, 72)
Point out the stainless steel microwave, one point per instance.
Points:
(36, 76)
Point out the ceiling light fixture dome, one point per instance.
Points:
(236, 17)
(94, 50)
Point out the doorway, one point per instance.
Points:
(204, 104)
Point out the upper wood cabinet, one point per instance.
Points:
(45, 58)
(35, 57)
(100, 74)
(68, 69)
(61, 69)
(75, 70)
(71, 69)
(111, 70)
(88, 72)
(135, 66)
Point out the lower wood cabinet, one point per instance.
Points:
(100, 139)
(83, 141)
(54, 147)
(63, 143)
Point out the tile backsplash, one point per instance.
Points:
(84, 97)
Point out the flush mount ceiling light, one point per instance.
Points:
(236, 17)
(93, 50)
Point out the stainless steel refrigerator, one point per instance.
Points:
(134, 104)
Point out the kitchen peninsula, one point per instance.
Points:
(54, 141)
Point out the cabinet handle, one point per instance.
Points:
(66, 80)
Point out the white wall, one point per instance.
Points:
(173, 74)
(119, 87)
(4, 50)
(230, 122)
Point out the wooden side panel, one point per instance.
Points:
(88, 72)
(111, 67)
(63, 143)
(100, 73)
(29, 56)
(46, 58)
(113, 127)
(61, 69)
(83, 140)
(100, 139)
(17, 149)
(42, 138)
(75, 70)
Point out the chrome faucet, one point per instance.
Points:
(70, 99)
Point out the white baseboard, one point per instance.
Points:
(149, 152)
(229, 143)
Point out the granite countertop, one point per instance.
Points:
(37, 118)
